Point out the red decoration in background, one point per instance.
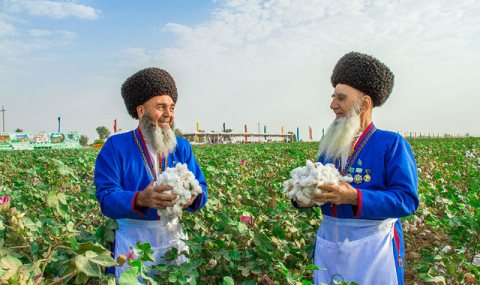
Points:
(115, 127)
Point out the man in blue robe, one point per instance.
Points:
(360, 238)
(129, 163)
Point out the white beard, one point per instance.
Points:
(162, 140)
(340, 135)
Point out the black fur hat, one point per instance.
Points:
(146, 84)
(365, 73)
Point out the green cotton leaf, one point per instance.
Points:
(104, 260)
(84, 265)
(242, 228)
(227, 280)
(10, 262)
(81, 278)
(129, 277)
(250, 202)
(473, 203)
(235, 254)
(84, 247)
(245, 271)
(263, 241)
(27, 269)
(30, 224)
(437, 279)
(63, 169)
(144, 251)
(58, 202)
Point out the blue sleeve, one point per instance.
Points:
(195, 169)
(115, 201)
(400, 198)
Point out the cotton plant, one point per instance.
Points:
(183, 184)
(305, 181)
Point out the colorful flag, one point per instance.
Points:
(115, 127)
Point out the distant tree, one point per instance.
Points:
(294, 139)
(83, 140)
(18, 130)
(103, 132)
(178, 133)
(228, 130)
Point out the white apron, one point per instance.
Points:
(355, 250)
(162, 236)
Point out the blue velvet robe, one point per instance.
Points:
(122, 170)
(391, 191)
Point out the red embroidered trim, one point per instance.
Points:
(146, 151)
(397, 241)
(133, 205)
(363, 135)
(334, 212)
(359, 207)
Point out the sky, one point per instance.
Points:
(238, 62)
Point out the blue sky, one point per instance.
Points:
(237, 61)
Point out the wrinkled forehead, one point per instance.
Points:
(347, 92)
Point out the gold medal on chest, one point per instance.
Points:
(367, 178)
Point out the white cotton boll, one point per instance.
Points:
(476, 260)
(305, 181)
(183, 184)
(446, 249)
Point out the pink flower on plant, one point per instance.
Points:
(242, 161)
(129, 255)
(4, 200)
(46, 165)
(245, 219)
(266, 280)
(243, 184)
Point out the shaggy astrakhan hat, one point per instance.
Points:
(146, 84)
(365, 73)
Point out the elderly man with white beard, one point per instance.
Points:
(129, 163)
(360, 238)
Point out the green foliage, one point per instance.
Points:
(178, 133)
(103, 132)
(18, 130)
(53, 228)
(83, 140)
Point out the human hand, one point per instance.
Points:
(337, 194)
(154, 197)
(190, 202)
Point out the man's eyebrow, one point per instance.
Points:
(339, 94)
(164, 104)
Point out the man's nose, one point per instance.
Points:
(334, 104)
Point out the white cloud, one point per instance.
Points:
(269, 52)
(67, 34)
(6, 29)
(39, 33)
(57, 10)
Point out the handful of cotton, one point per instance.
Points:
(305, 181)
(184, 186)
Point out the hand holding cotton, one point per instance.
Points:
(184, 186)
(305, 181)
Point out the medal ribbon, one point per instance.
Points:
(146, 158)
(356, 150)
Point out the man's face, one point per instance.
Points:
(343, 100)
(160, 109)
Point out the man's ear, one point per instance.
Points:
(140, 111)
(366, 102)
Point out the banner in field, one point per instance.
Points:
(18, 138)
(57, 138)
(71, 138)
(39, 138)
(4, 139)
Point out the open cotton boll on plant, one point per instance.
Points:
(184, 186)
(305, 181)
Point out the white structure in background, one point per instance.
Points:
(221, 137)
